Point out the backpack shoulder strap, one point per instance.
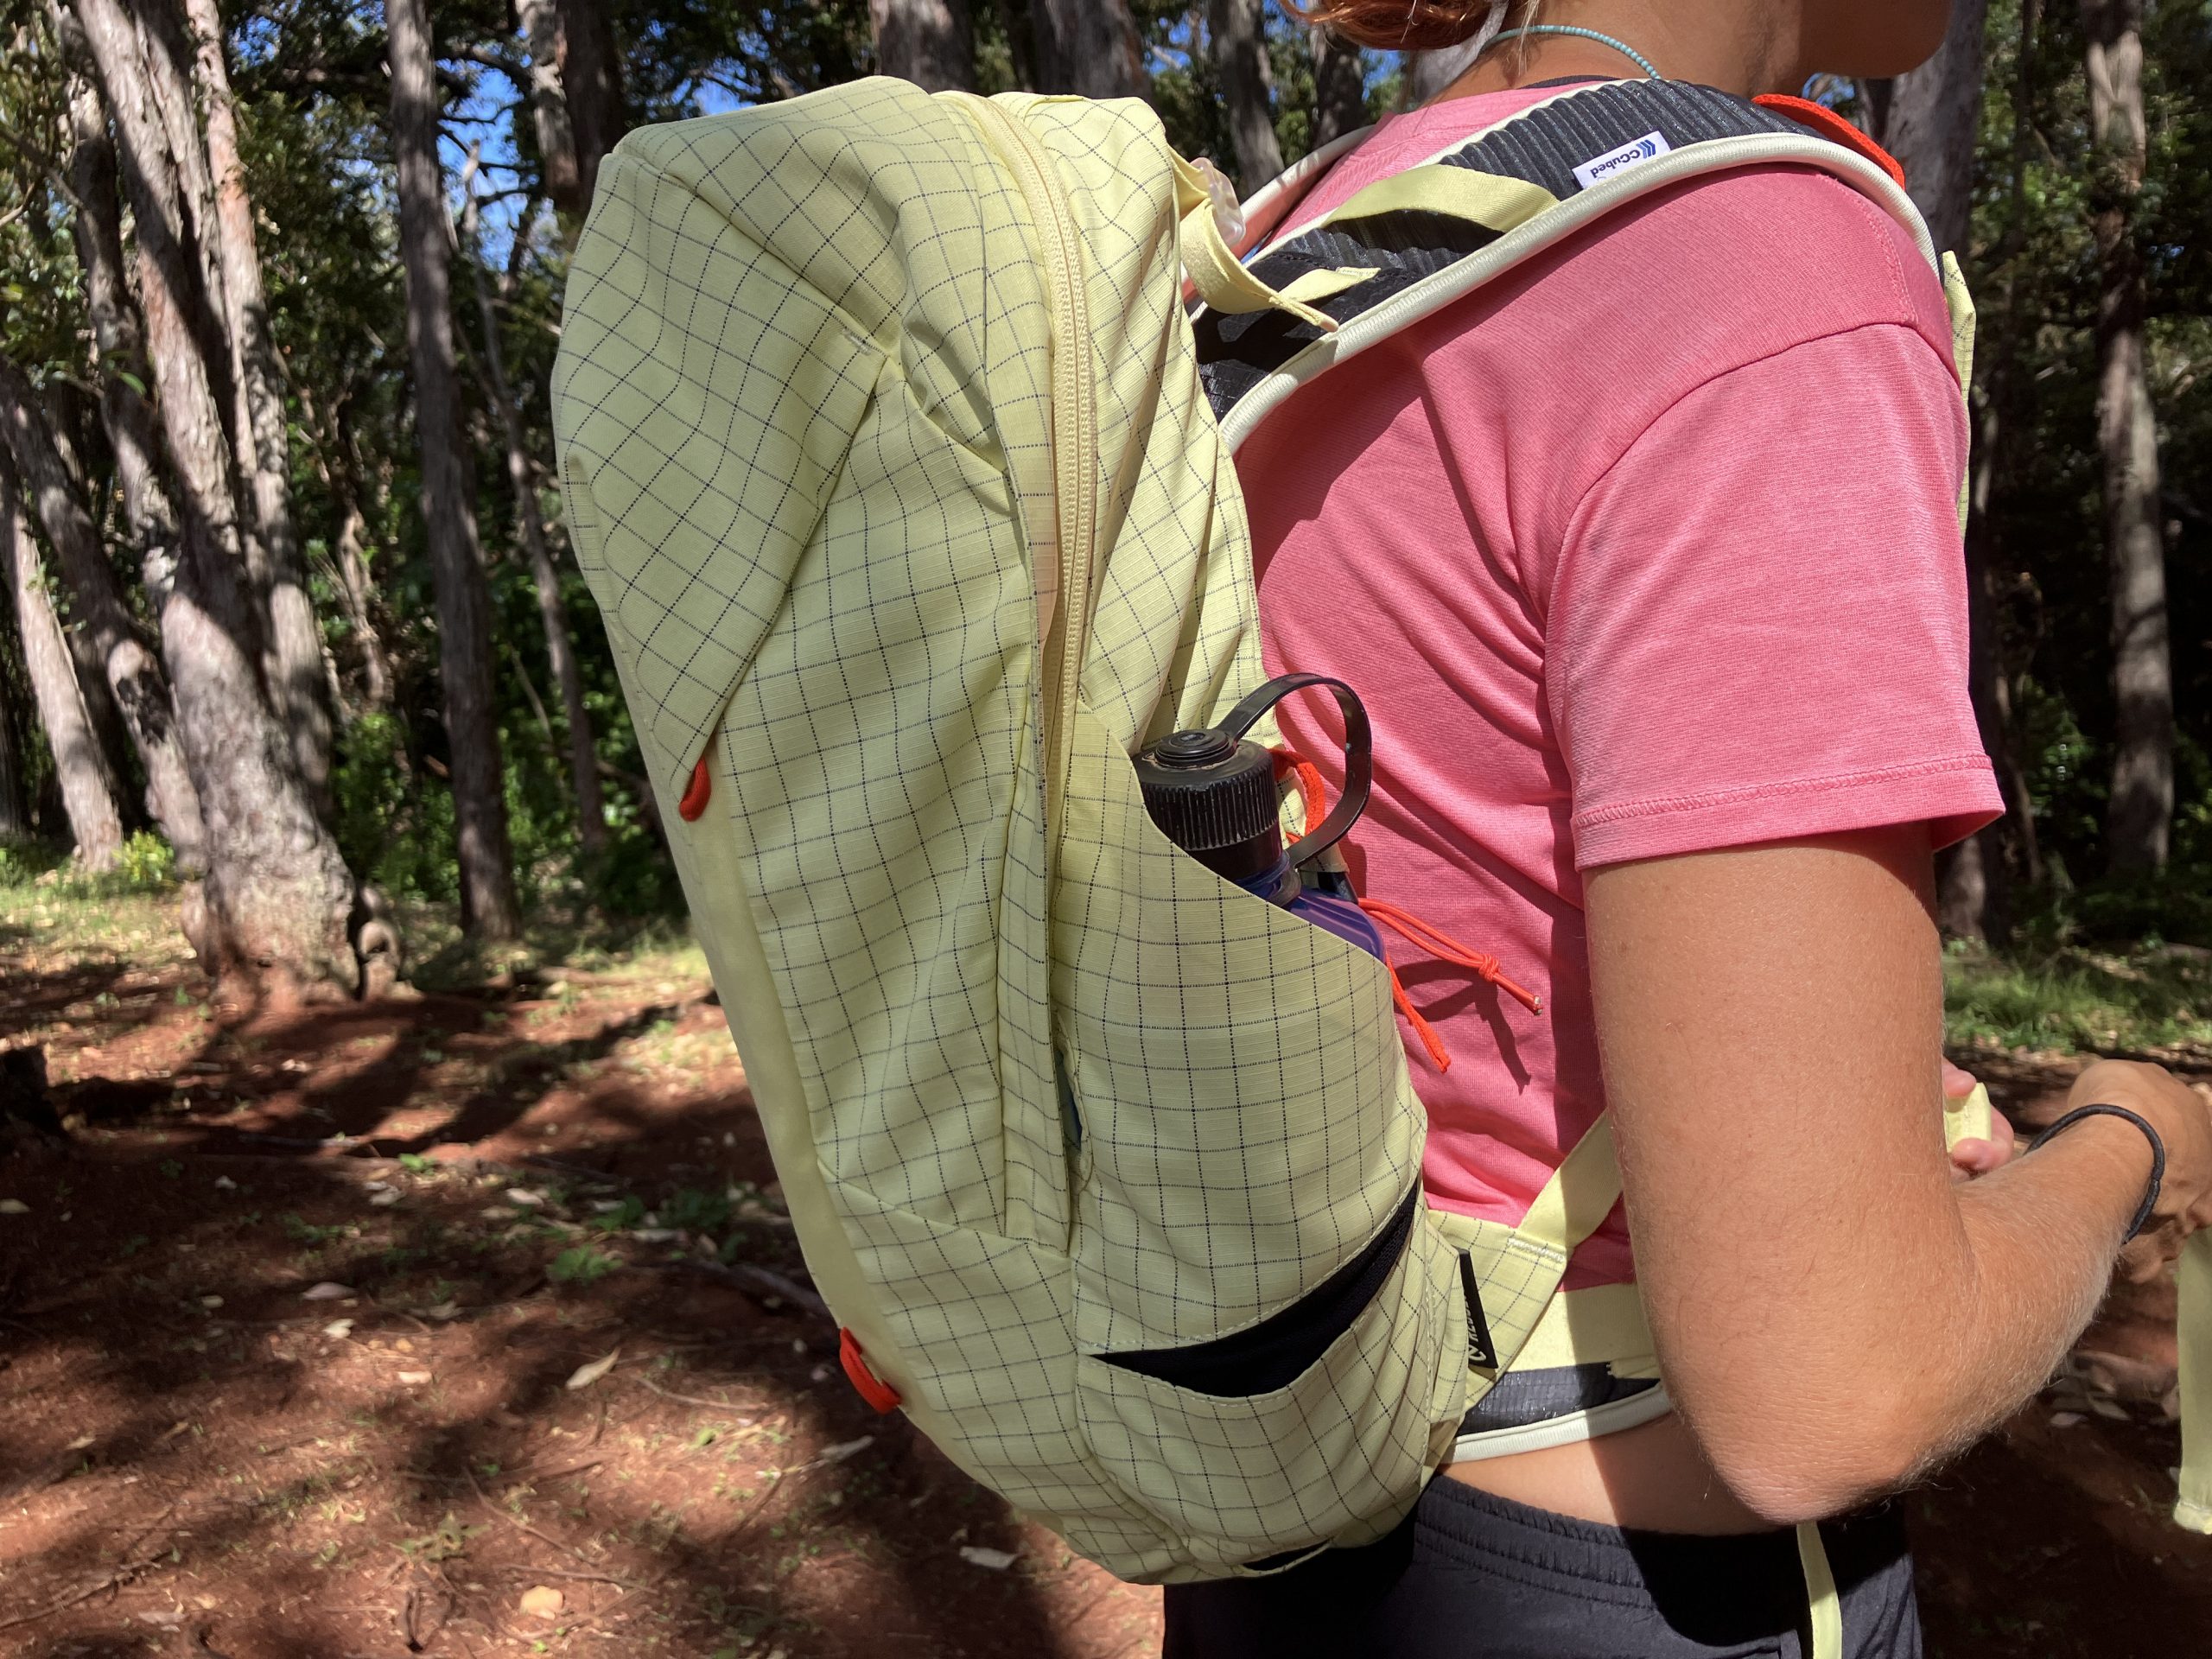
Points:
(1421, 239)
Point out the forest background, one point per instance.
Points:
(292, 620)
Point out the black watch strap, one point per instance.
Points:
(2158, 1154)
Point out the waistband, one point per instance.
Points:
(1754, 1577)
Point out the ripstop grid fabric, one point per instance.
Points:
(807, 412)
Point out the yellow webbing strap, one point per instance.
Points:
(1820, 1592)
(2193, 1508)
(1226, 284)
(1600, 1324)
(1958, 299)
(1580, 1193)
(1221, 280)
(1484, 197)
(1969, 1119)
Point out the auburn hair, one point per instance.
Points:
(1403, 25)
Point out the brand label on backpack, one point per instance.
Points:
(1650, 147)
(1482, 1351)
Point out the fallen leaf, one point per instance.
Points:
(541, 1601)
(210, 1301)
(446, 1310)
(80, 1442)
(386, 1198)
(13, 1207)
(524, 1196)
(585, 1375)
(339, 1330)
(996, 1560)
(328, 1291)
(224, 1184)
(845, 1449)
(412, 1379)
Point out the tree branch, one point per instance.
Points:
(56, 174)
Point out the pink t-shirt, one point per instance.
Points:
(1649, 547)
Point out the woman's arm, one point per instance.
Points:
(1831, 1313)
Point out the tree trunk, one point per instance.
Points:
(591, 80)
(338, 464)
(274, 906)
(2139, 817)
(15, 802)
(1089, 46)
(86, 795)
(118, 656)
(1339, 87)
(295, 643)
(1973, 896)
(1248, 85)
(132, 669)
(1428, 74)
(354, 587)
(1929, 120)
(1021, 42)
(930, 42)
(548, 110)
(488, 905)
(163, 55)
(553, 614)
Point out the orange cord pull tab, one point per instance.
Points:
(1438, 1056)
(1445, 947)
(1313, 792)
(870, 1386)
(695, 796)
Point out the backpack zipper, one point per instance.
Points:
(1074, 435)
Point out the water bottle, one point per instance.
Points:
(1212, 793)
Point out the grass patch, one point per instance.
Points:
(441, 960)
(2079, 1000)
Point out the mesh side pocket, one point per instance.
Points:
(1271, 1354)
(1337, 1455)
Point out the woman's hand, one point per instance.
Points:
(2178, 1113)
(1972, 1158)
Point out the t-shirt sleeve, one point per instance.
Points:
(1758, 628)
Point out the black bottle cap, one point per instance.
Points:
(1215, 797)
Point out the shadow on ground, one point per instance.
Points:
(492, 1192)
(300, 1322)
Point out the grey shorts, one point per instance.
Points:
(1471, 1576)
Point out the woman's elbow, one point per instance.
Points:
(1788, 1464)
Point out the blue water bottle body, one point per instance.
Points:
(1340, 916)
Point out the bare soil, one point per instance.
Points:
(496, 1191)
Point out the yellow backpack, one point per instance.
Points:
(902, 474)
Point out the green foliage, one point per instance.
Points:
(581, 1264)
(146, 864)
(2035, 268)
(695, 1212)
(2079, 1000)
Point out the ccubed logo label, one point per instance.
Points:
(1647, 148)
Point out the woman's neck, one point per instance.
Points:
(1746, 47)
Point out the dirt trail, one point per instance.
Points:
(500, 1189)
